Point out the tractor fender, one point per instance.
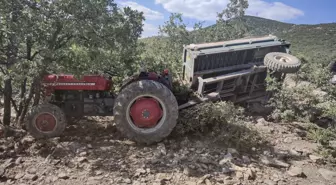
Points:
(145, 76)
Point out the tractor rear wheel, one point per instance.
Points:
(146, 111)
(46, 121)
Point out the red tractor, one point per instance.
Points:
(145, 110)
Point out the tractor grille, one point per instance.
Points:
(234, 58)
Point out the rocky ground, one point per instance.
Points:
(93, 152)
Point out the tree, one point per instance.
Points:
(43, 36)
(10, 37)
(166, 49)
(230, 23)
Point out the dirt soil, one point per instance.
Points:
(93, 152)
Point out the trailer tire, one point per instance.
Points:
(46, 121)
(282, 62)
(141, 101)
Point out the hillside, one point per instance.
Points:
(262, 26)
(314, 42)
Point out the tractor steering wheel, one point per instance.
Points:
(109, 73)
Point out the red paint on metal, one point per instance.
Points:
(146, 112)
(45, 122)
(69, 82)
(152, 76)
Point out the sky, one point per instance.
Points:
(156, 12)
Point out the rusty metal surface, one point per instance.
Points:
(213, 61)
(230, 70)
(232, 42)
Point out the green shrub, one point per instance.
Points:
(321, 136)
(222, 122)
(206, 116)
(302, 102)
(317, 72)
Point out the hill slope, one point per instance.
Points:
(314, 42)
(261, 26)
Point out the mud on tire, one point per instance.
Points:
(139, 89)
(46, 121)
(282, 62)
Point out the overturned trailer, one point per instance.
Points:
(235, 70)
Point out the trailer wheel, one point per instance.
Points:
(46, 121)
(282, 62)
(146, 111)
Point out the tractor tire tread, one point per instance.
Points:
(135, 89)
(50, 108)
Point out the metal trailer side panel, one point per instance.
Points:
(230, 69)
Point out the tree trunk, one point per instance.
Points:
(1, 96)
(28, 100)
(7, 101)
(22, 98)
(11, 54)
(37, 93)
(2, 131)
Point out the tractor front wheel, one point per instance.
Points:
(46, 121)
(146, 111)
